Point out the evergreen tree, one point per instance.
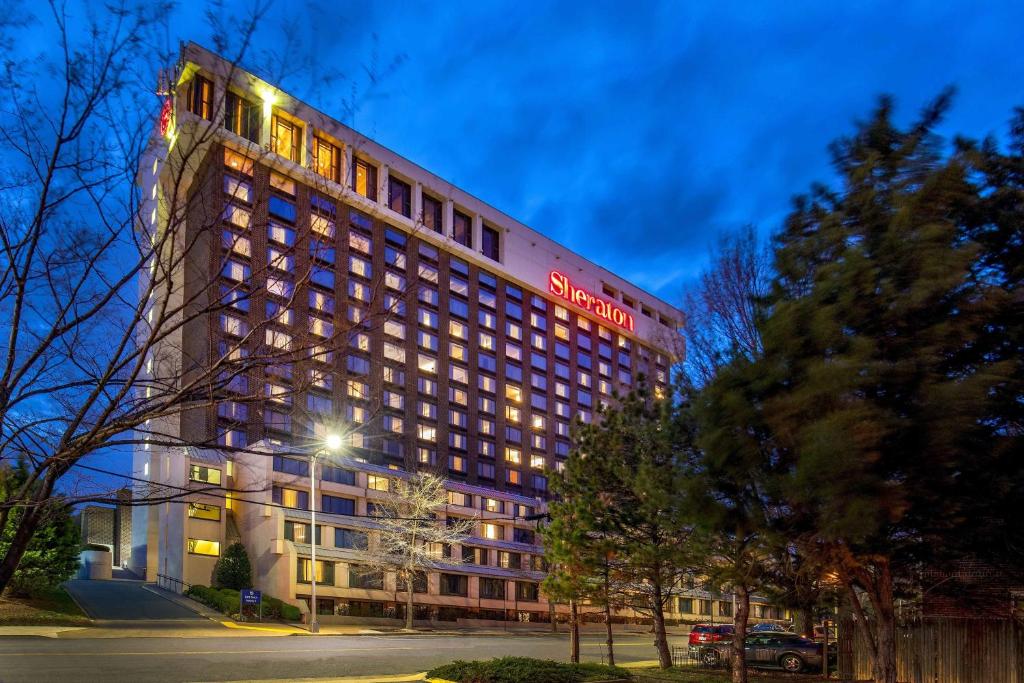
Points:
(625, 482)
(233, 569)
(889, 389)
(52, 554)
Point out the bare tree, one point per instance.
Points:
(410, 540)
(721, 309)
(108, 294)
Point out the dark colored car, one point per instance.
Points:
(769, 627)
(786, 651)
(706, 634)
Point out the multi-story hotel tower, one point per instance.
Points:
(431, 329)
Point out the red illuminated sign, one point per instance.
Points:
(559, 285)
(165, 116)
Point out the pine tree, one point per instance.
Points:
(233, 569)
(880, 384)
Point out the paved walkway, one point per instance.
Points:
(125, 601)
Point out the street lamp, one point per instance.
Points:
(331, 444)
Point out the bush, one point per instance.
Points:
(233, 570)
(228, 601)
(525, 670)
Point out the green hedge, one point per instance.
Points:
(525, 670)
(228, 602)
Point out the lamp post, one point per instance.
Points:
(332, 443)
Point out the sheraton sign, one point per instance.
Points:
(559, 285)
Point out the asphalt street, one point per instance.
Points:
(217, 658)
(125, 600)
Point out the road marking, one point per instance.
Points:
(212, 652)
(377, 678)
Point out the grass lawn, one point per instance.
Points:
(55, 608)
(683, 675)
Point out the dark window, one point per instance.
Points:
(347, 538)
(526, 591)
(337, 506)
(362, 577)
(337, 475)
(200, 97)
(282, 208)
(462, 229)
(291, 466)
(399, 196)
(490, 243)
(395, 237)
(419, 583)
(523, 535)
(364, 179)
(242, 117)
(459, 309)
(432, 216)
(492, 589)
(454, 584)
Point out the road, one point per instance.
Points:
(218, 658)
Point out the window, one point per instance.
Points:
(364, 179)
(285, 138)
(200, 97)
(686, 605)
(326, 159)
(353, 540)
(242, 117)
(378, 483)
(432, 213)
(527, 591)
(290, 498)
(524, 536)
(336, 505)
(492, 505)
(324, 571)
(462, 229)
(490, 243)
(460, 499)
(237, 162)
(337, 475)
(485, 470)
(491, 531)
(291, 466)
(198, 546)
(204, 511)
(205, 475)
(492, 589)
(363, 577)
(298, 532)
(399, 196)
(454, 584)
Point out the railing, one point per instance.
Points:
(172, 584)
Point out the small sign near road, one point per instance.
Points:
(250, 597)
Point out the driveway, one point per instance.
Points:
(125, 600)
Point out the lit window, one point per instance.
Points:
(205, 475)
(204, 511)
(364, 179)
(285, 138)
(326, 159)
(513, 455)
(513, 393)
(198, 546)
(236, 161)
(537, 461)
(377, 483)
(491, 531)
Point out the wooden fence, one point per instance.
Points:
(951, 651)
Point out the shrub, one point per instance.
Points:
(228, 601)
(525, 670)
(233, 570)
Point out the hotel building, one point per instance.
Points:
(444, 335)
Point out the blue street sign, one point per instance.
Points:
(250, 596)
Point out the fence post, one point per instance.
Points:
(845, 638)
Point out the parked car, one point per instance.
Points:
(819, 633)
(705, 634)
(769, 627)
(786, 651)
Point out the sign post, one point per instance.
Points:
(250, 597)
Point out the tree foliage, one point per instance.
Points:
(885, 408)
(623, 487)
(233, 570)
